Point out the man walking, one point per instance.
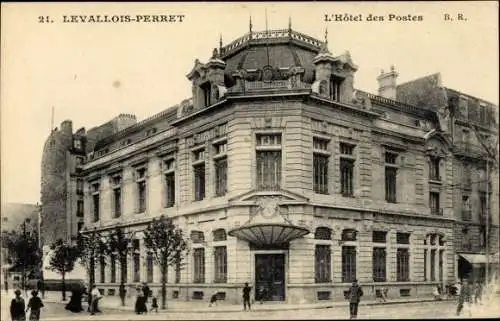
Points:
(354, 295)
(246, 296)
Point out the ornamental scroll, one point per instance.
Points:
(207, 135)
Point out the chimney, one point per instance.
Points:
(387, 84)
(67, 127)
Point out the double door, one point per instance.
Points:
(269, 277)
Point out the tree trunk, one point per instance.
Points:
(164, 287)
(123, 276)
(63, 285)
(91, 273)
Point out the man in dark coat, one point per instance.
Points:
(354, 295)
(465, 296)
(146, 291)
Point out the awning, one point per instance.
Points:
(269, 234)
(267, 226)
(480, 258)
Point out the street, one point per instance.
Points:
(445, 309)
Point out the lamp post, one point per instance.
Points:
(25, 248)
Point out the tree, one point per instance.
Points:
(63, 261)
(166, 243)
(90, 246)
(119, 244)
(23, 251)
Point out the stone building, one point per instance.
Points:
(283, 175)
(61, 185)
(472, 127)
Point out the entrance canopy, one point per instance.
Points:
(269, 233)
(479, 258)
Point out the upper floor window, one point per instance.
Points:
(434, 168)
(219, 235)
(79, 186)
(197, 237)
(169, 174)
(199, 174)
(434, 203)
(390, 176)
(466, 208)
(323, 233)
(77, 143)
(335, 88)
(483, 113)
(268, 154)
(117, 195)
(320, 165)
(95, 201)
(207, 93)
(347, 161)
(141, 189)
(79, 208)
(220, 164)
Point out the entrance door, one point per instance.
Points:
(269, 277)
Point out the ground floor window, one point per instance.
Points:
(220, 266)
(348, 264)
(378, 263)
(323, 264)
(403, 264)
(199, 265)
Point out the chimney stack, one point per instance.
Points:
(387, 84)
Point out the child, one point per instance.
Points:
(213, 299)
(35, 304)
(154, 304)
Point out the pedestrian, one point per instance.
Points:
(95, 296)
(146, 291)
(436, 293)
(213, 299)
(154, 304)
(246, 296)
(75, 302)
(35, 304)
(122, 292)
(262, 293)
(464, 297)
(355, 293)
(478, 293)
(140, 302)
(17, 306)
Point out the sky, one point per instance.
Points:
(91, 72)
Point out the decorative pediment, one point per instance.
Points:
(282, 195)
(437, 144)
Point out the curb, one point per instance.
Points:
(269, 309)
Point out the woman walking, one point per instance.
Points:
(35, 304)
(17, 306)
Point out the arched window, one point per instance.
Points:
(349, 255)
(323, 233)
(197, 237)
(349, 235)
(219, 235)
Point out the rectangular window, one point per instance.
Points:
(207, 93)
(199, 182)
(170, 189)
(141, 190)
(466, 209)
(102, 268)
(348, 263)
(137, 267)
(425, 264)
(403, 238)
(323, 264)
(95, 199)
(390, 184)
(199, 265)
(220, 264)
(335, 88)
(483, 206)
(391, 158)
(379, 236)
(320, 163)
(79, 208)
(117, 199)
(434, 169)
(113, 268)
(79, 186)
(433, 265)
(379, 263)
(441, 260)
(268, 155)
(403, 264)
(149, 268)
(80, 226)
(220, 176)
(483, 115)
(347, 177)
(434, 203)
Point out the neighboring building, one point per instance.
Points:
(61, 185)
(472, 126)
(282, 175)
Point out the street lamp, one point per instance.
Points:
(25, 248)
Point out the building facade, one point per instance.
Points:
(280, 173)
(63, 155)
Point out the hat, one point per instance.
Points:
(17, 291)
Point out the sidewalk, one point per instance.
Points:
(113, 303)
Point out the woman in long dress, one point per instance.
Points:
(35, 304)
(75, 302)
